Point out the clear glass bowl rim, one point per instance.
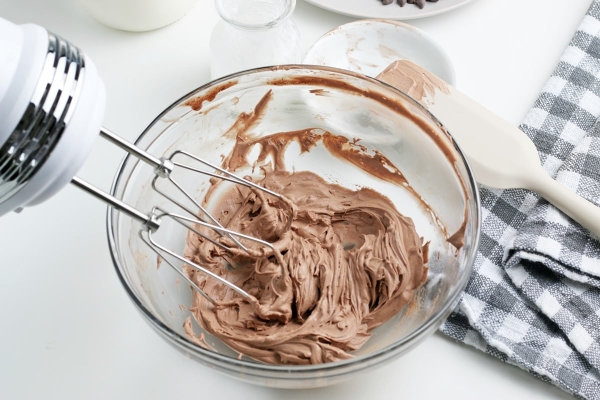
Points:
(330, 369)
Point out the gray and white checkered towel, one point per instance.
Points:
(534, 297)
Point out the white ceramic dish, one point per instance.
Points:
(138, 15)
(369, 46)
(374, 8)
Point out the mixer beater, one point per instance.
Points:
(163, 168)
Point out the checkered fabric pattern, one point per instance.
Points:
(534, 297)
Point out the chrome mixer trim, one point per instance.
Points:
(45, 119)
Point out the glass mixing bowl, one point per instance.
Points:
(342, 103)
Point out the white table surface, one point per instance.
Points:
(67, 328)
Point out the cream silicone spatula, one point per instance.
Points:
(499, 154)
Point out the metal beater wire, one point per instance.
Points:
(225, 282)
(162, 256)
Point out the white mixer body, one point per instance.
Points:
(51, 109)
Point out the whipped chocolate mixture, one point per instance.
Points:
(413, 80)
(344, 262)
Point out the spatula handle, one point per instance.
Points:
(576, 207)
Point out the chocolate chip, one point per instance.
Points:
(401, 3)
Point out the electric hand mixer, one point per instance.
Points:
(51, 110)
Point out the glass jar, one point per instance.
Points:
(253, 33)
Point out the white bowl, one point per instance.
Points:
(138, 15)
(369, 46)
